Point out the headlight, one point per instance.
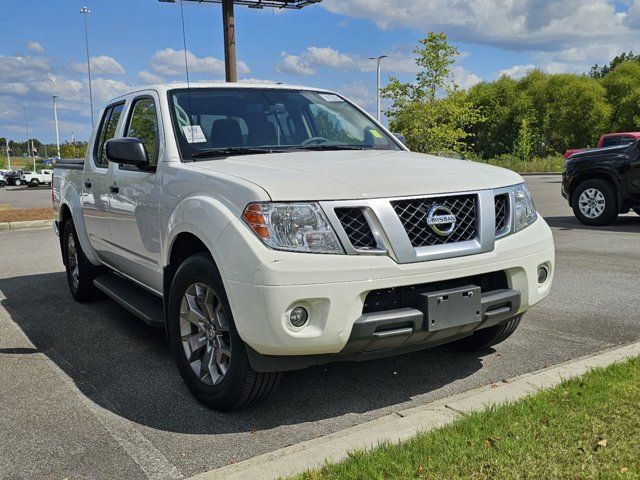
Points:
(296, 227)
(524, 209)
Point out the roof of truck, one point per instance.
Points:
(164, 87)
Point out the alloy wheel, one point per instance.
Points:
(72, 260)
(592, 203)
(205, 335)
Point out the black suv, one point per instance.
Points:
(600, 184)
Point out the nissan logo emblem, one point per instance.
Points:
(441, 220)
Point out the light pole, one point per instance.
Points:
(379, 60)
(29, 147)
(8, 153)
(85, 11)
(55, 121)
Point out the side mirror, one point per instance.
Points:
(401, 138)
(127, 151)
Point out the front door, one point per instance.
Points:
(95, 183)
(632, 173)
(135, 201)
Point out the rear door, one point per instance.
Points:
(95, 183)
(135, 199)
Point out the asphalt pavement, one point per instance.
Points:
(88, 391)
(25, 197)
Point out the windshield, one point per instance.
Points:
(224, 121)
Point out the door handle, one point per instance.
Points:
(114, 189)
(87, 183)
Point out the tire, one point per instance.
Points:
(34, 183)
(200, 326)
(3, 184)
(482, 340)
(17, 182)
(604, 207)
(80, 280)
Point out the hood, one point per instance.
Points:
(601, 152)
(351, 175)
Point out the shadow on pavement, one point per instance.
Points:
(624, 224)
(126, 367)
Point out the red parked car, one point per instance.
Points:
(608, 140)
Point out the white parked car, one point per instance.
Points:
(3, 181)
(270, 228)
(43, 177)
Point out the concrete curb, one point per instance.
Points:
(25, 224)
(404, 424)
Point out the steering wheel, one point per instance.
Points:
(316, 140)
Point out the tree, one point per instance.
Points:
(577, 111)
(623, 92)
(432, 113)
(523, 146)
(600, 72)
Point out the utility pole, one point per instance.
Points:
(55, 120)
(379, 60)
(85, 11)
(229, 28)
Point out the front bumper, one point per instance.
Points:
(263, 286)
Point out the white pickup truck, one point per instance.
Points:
(43, 177)
(270, 228)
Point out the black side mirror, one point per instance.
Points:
(401, 138)
(127, 151)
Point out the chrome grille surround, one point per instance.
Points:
(393, 239)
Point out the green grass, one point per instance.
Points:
(535, 165)
(588, 427)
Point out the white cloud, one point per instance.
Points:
(294, 65)
(463, 78)
(307, 62)
(35, 47)
(22, 69)
(150, 78)
(516, 25)
(517, 71)
(171, 63)
(14, 88)
(104, 89)
(100, 65)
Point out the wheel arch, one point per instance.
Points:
(582, 177)
(70, 206)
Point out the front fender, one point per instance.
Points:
(199, 215)
(71, 200)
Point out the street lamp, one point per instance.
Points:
(29, 145)
(85, 11)
(379, 60)
(55, 121)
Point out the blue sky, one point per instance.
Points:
(140, 41)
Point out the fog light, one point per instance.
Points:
(298, 316)
(543, 274)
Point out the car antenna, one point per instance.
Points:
(186, 68)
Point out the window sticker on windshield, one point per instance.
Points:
(330, 97)
(194, 134)
(375, 133)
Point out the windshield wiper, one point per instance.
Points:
(229, 151)
(330, 147)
